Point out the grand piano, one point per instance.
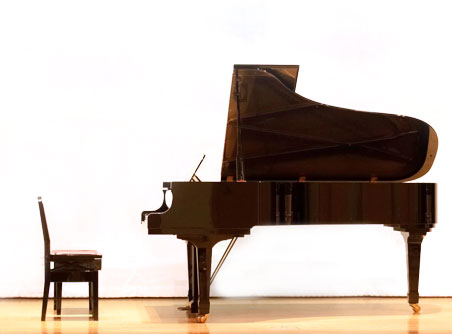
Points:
(291, 161)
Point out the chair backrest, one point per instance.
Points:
(45, 231)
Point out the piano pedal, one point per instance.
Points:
(416, 308)
(187, 307)
(183, 308)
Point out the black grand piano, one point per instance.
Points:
(292, 161)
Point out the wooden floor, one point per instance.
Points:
(233, 315)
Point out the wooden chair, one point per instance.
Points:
(68, 266)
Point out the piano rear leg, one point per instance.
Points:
(413, 251)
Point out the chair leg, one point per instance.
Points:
(45, 298)
(59, 296)
(96, 296)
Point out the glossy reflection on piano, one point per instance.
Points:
(304, 163)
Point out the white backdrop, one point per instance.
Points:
(101, 101)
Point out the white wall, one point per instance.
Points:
(101, 101)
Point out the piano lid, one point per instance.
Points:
(285, 136)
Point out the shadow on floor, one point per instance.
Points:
(255, 312)
(69, 314)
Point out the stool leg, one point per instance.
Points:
(96, 296)
(54, 296)
(90, 297)
(59, 289)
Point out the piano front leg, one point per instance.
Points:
(199, 256)
(193, 283)
(413, 242)
(204, 268)
(193, 295)
(190, 273)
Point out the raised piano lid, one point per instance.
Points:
(286, 136)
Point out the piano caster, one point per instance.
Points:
(201, 319)
(416, 308)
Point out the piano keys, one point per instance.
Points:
(305, 163)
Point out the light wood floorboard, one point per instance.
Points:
(232, 315)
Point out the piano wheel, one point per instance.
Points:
(416, 308)
(202, 318)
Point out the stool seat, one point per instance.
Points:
(75, 252)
